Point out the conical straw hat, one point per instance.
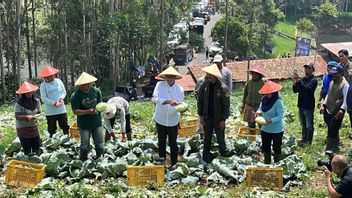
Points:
(270, 87)
(258, 70)
(213, 70)
(48, 71)
(26, 87)
(170, 71)
(85, 78)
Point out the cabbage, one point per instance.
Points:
(101, 106)
(181, 107)
(260, 120)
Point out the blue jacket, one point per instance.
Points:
(326, 82)
(276, 115)
(349, 98)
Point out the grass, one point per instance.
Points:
(142, 122)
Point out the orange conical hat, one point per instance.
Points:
(270, 87)
(26, 87)
(48, 71)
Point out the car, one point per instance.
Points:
(183, 54)
(182, 25)
(205, 16)
(173, 40)
(127, 92)
(214, 49)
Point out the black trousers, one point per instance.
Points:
(210, 126)
(350, 115)
(333, 124)
(30, 144)
(62, 119)
(268, 138)
(171, 133)
(128, 123)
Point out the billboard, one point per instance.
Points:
(302, 46)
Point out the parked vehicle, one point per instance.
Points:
(183, 54)
(214, 49)
(197, 25)
(205, 16)
(173, 39)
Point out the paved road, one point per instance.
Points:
(200, 58)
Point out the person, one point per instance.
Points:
(334, 107)
(288, 55)
(117, 106)
(83, 102)
(27, 110)
(53, 93)
(343, 55)
(305, 87)
(340, 167)
(200, 81)
(225, 72)
(327, 78)
(272, 109)
(213, 104)
(251, 97)
(167, 94)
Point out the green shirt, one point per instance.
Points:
(81, 100)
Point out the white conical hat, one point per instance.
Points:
(170, 71)
(213, 70)
(85, 78)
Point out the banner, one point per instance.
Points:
(302, 46)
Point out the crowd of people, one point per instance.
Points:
(260, 98)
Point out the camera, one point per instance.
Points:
(326, 163)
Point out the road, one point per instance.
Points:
(200, 58)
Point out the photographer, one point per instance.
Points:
(339, 165)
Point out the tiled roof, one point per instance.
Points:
(275, 68)
(187, 83)
(336, 47)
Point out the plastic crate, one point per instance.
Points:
(248, 133)
(187, 131)
(24, 174)
(74, 133)
(268, 177)
(189, 121)
(142, 175)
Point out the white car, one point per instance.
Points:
(183, 26)
(173, 40)
(214, 48)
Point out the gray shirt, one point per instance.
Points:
(122, 109)
(226, 78)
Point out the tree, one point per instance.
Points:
(196, 41)
(237, 36)
(327, 15)
(305, 25)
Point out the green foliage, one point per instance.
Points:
(305, 25)
(196, 41)
(237, 36)
(327, 15)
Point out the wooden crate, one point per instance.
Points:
(74, 133)
(267, 177)
(187, 131)
(189, 121)
(24, 174)
(142, 175)
(248, 133)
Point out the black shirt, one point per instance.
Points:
(345, 186)
(305, 89)
(211, 101)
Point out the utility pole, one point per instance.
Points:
(250, 40)
(161, 57)
(226, 30)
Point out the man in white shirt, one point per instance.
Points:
(167, 95)
(225, 72)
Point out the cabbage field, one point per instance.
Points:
(67, 176)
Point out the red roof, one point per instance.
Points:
(187, 83)
(275, 68)
(336, 47)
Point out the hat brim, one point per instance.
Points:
(109, 112)
(163, 77)
(272, 90)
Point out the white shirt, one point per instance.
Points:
(122, 108)
(166, 114)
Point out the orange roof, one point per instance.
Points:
(274, 68)
(187, 83)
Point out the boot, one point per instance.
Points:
(310, 134)
(277, 157)
(329, 143)
(83, 155)
(129, 136)
(335, 145)
(99, 152)
(267, 158)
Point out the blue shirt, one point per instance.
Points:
(50, 93)
(276, 115)
(349, 98)
(326, 82)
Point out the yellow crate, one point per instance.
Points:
(24, 174)
(268, 177)
(74, 133)
(187, 131)
(189, 121)
(142, 175)
(248, 133)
